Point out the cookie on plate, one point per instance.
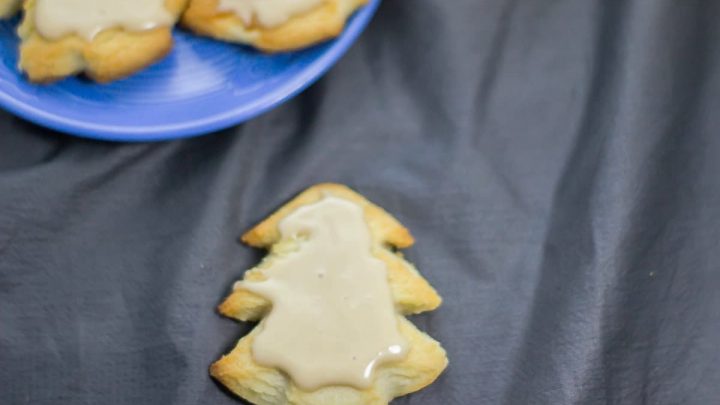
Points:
(331, 299)
(270, 25)
(105, 39)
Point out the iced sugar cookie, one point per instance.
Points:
(331, 299)
(105, 39)
(270, 25)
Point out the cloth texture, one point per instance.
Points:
(557, 161)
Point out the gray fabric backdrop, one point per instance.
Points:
(558, 162)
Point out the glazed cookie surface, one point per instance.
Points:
(108, 41)
(289, 234)
(270, 25)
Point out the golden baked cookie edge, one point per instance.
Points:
(411, 292)
(111, 55)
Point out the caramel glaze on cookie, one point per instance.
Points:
(320, 23)
(108, 55)
(418, 358)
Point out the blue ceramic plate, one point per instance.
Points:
(202, 86)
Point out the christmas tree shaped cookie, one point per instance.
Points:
(331, 299)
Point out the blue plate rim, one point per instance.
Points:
(291, 88)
